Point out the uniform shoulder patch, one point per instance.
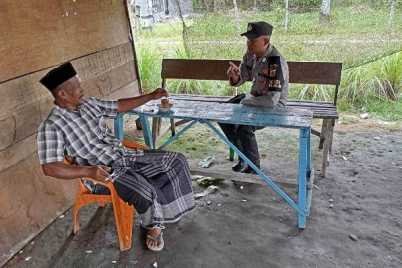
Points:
(275, 73)
(274, 59)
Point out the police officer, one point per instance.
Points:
(267, 69)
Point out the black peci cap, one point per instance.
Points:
(58, 75)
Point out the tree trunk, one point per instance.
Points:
(206, 5)
(236, 10)
(325, 10)
(391, 12)
(286, 14)
(219, 5)
(184, 32)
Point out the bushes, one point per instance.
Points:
(380, 80)
(149, 64)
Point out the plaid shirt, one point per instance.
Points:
(81, 134)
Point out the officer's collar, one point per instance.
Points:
(269, 50)
(266, 54)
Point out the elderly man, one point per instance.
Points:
(157, 183)
(267, 69)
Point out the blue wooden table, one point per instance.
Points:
(208, 114)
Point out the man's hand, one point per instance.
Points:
(99, 173)
(233, 73)
(65, 171)
(125, 105)
(159, 93)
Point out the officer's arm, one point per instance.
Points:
(245, 71)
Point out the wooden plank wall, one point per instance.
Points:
(34, 37)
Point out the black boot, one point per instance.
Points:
(238, 166)
(249, 146)
(248, 170)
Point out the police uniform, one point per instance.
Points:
(270, 78)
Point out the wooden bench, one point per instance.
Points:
(320, 73)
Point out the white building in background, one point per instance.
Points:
(149, 12)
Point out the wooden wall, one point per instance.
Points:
(36, 35)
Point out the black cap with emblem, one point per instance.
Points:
(58, 75)
(257, 29)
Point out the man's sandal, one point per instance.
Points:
(159, 242)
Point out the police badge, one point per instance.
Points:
(272, 70)
(275, 73)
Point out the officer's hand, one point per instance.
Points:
(229, 72)
(233, 72)
(234, 68)
(159, 93)
(99, 173)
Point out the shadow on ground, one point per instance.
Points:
(252, 227)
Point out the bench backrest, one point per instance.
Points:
(322, 73)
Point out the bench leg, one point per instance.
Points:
(327, 132)
(156, 127)
(331, 135)
(138, 124)
(322, 135)
(172, 127)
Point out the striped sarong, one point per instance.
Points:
(158, 184)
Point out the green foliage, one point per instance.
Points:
(374, 87)
(304, 4)
(358, 35)
(315, 92)
(149, 61)
(385, 110)
(380, 80)
(391, 74)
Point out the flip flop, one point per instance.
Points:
(159, 240)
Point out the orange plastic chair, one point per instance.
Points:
(124, 214)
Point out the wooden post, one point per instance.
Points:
(329, 128)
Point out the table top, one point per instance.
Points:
(289, 117)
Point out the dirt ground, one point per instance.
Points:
(356, 218)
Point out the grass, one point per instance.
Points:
(357, 35)
(198, 143)
(149, 67)
(360, 19)
(386, 111)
